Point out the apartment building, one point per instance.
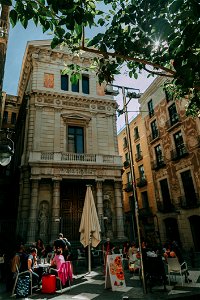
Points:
(66, 139)
(174, 151)
(142, 183)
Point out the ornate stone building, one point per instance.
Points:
(166, 153)
(66, 139)
(174, 149)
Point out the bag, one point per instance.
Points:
(48, 284)
(22, 288)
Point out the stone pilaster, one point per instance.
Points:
(55, 219)
(33, 221)
(119, 211)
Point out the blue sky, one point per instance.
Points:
(18, 38)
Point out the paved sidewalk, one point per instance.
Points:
(93, 287)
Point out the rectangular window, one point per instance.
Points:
(126, 156)
(65, 82)
(75, 87)
(189, 190)
(75, 139)
(136, 133)
(154, 129)
(150, 108)
(174, 118)
(179, 144)
(138, 155)
(145, 200)
(125, 143)
(158, 153)
(165, 194)
(85, 84)
(129, 177)
(13, 118)
(5, 117)
(141, 172)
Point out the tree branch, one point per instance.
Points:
(158, 73)
(128, 58)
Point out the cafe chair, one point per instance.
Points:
(19, 274)
(175, 268)
(64, 274)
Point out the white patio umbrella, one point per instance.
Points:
(89, 227)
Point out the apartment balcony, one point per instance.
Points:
(126, 164)
(179, 152)
(154, 136)
(128, 187)
(173, 122)
(158, 164)
(138, 156)
(145, 212)
(165, 207)
(141, 182)
(74, 158)
(136, 137)
(189, 202)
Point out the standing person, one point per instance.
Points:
(40, 248)
(60, 243)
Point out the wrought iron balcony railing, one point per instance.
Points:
(175, 120)
(126, 164)
(166, 207)
(189, 202)
(179, 152)
(138, 156)
(154, 136)
(128, 187)
(141, 182)
(158, 164)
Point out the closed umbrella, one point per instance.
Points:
(89, 227)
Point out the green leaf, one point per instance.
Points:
(13, 17)
(135, 75)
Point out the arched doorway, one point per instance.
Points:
(194, 225)
(172, 232)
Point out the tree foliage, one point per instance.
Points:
(159, 36)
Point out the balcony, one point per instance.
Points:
(145, 212)
(173, 122)
(179, 152)
(189, 202)
(158, 164)
(72, 158)
(136, 136)
(128, 187)
(165, 207)
(138, 156)
(154, 136)
(126, 164)
(141, 182)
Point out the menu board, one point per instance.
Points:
(115, 278)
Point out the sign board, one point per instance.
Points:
(115, 278)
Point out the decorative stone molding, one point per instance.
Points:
(80, 118)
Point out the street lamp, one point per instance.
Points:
(6, 148)
(131, 93)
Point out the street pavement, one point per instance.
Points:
(92, 286)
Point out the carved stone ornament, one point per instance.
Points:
(67, 117)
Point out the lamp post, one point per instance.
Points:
(6, 147)
(132, 94)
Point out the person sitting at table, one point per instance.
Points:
(57, 261)
(32, 267)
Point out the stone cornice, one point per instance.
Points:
(46, 98)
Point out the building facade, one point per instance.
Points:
(142, 183)
(174, 150)
(66, 139)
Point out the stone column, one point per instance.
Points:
(119, 210)
(55, 219)
(33, 220)
(100, 203)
